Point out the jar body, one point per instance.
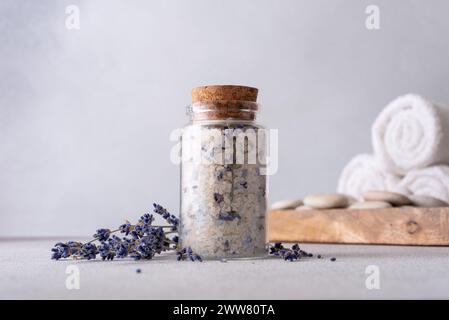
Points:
(223, 189)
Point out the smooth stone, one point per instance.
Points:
(394, 198)
(401, 190)
(326, 201)
(351, 199)
(370, 205)
(286, 204)
(427, 202)
(302, 207)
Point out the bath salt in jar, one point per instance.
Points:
(223, 184)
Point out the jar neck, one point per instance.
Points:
(223, 111)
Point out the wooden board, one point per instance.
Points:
(398, 226)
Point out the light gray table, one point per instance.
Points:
(404, 272)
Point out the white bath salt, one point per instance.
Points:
(223, 200)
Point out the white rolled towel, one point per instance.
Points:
(363, 173)
(411, 133)
(431, 181)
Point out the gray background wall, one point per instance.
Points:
(85, 114)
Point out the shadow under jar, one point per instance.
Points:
(223, 182)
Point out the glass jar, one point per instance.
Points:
(223, 189)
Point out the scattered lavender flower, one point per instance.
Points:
(292, 254)
(187, 253)
(193, 256)
(181, 254)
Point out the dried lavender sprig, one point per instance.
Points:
(146, 241)
(145, 246)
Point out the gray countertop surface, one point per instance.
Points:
(404, 273)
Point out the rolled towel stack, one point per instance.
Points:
(411, 133)
(363, 173)
(411, 152)
(432, 181)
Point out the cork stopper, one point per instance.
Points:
(224, 92)
(223, 102)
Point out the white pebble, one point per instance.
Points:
(370, 205)
(351, 199)
(326, 201)
(427, 201)
(286, 204)
(302, 208)
(394, 198)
